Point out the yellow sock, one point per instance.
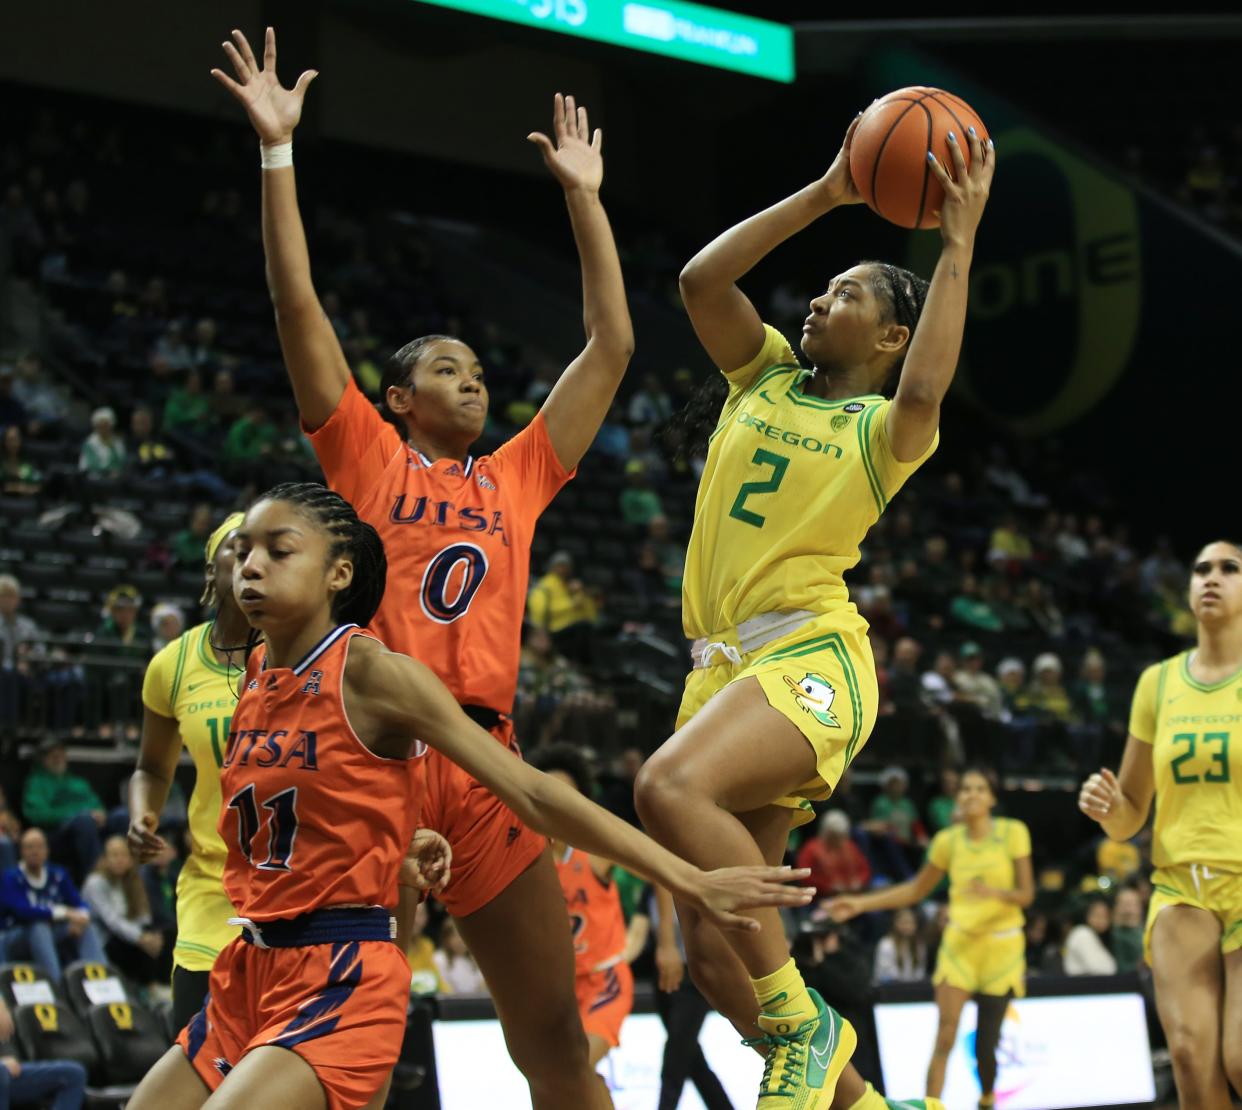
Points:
(870, 1100)
(987, 1100)
(782, 995)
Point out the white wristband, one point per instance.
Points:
(276, 157)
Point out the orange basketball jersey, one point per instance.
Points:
(594, 914)
(457, 536)
(312, 818)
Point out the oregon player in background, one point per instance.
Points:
(783, 695)
(983, 950)
(188, 697)
(1185, 753)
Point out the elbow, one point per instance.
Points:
(919, 398)
(694, 277)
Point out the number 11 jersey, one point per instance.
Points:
(457, 536)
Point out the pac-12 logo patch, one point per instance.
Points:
(814, 693)
(854, 406)
(839, 422)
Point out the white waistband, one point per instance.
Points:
(751, 635)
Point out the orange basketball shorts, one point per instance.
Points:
(341, 1007)
(491, 846)
(605, 999)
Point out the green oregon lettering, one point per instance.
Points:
(771, 431)
(779, 464)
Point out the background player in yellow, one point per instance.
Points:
(783, 694)
(1186, 712)
(188, 697)
(983, 950)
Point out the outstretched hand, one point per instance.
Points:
(838, 183)
(273, 110)
(575, 160)
(720, 894)
(966, 192)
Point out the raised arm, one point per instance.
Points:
(895, 897)
(932, 359)
(151, 781)
(1121, 804)
(724, 318)
(580, 400)
(313, 355)
(398, 696)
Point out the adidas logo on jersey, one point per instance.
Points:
(253, 684)
(485, 482)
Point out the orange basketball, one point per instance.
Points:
(888, 157)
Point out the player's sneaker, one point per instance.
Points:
(914, 1104)
(803, 1066)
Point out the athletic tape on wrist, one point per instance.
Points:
(276, 157)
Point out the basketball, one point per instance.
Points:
(888, 157)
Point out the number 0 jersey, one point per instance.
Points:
(791, 486)
(457, 536)
(312, 817)
(1197, 770)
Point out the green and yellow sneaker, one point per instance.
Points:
(803, 1066)
(914, 1104)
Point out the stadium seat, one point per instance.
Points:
(23, 983)
(130, 1040)
(52, 1031)
(89, 984)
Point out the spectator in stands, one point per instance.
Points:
(1087, 946)
(901, 956)
(971, 608)
(12, 411)
(171, 347)
(203, 351)
(18, 478)
(650, 405)
(46, 406)
(187, 409)
(1037, 941)
(943, 701)
(553, 695)
(1098, 719)
(226, 405)
(1010, 547)
(458, 971)
(670, 554)
(45, 917)
(895, 833)
(118, 902)
(10, 833)
(103, 452)
(187, 545)
(120, 622)
(905, 687)
(639, 502)
(250, 438)
(167, 623)
(1126, 938)
(975, 685)
(837, 864)
(560, 604)
(18, 635)
(1041, 610)
(65, 805)
(942, 809)
(881, 616)
(34, 1082)
(149, 455)
(1045, 698)
(113, 687)
(1011, 678)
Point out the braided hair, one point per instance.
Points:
(399, 371)
(902, 295)
(351, 537)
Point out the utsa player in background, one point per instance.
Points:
(458, 530)
(983, 950)
(604, 947)
(783, 691)
(321, 778)
(1186, 712)
(188, 697)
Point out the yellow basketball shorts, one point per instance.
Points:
(820, 676)
(203, 929)
(1204, 888)
(982, 963)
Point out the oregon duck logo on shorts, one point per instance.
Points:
(815, 694)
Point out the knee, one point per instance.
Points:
(1188, 1051)
(660, 789)
(549, 1043)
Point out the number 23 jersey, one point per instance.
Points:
(1196, 766)
(457, 537)
(791, 485)
(312, 818)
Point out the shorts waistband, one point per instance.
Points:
(750, 635)
(319, 927)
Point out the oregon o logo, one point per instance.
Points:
(451, 580)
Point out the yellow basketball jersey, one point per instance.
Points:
(990, 859)
(185, 682)
(1198, 774)
(791, 486)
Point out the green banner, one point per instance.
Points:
(690, 32)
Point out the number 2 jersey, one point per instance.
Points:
(1197, 769)
(312, 818)
(457, 536)
(791, 486)
(595, 915)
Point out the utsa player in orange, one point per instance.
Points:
(604, 947)
(802, 462)
(458, 530)
(321, 780)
